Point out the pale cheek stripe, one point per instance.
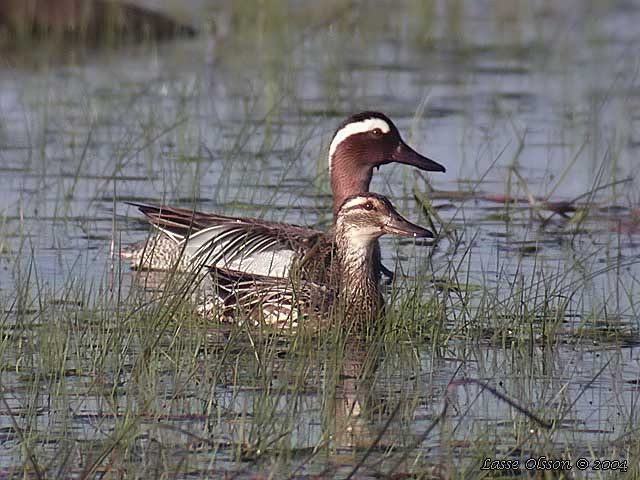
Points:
(355, 128)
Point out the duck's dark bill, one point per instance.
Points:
(407, 155)
(399, 226)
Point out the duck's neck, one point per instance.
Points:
(347, 179)
(355, 276)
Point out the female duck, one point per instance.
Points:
(362, 142)
(353, 289)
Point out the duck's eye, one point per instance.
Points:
(368, 206)
(376, 132)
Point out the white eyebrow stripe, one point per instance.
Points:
(360, 200)
(354, 128)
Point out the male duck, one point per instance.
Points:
(362, 142)
(352, 292)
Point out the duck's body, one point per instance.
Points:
(190, 239)
(352, 288)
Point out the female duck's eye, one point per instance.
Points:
(376, 132)
(368, 206)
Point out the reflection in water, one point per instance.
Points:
(348, 417)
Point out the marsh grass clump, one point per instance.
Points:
(470, 359)
(100, 379)
(132, 367)
(79, 359)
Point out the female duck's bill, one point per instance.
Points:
(352, 291)
(361, 143)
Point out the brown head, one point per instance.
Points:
(362, 142)
(360, 221)
(364, 218)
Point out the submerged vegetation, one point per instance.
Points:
(514, 337)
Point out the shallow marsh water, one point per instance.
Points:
(528, 104)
